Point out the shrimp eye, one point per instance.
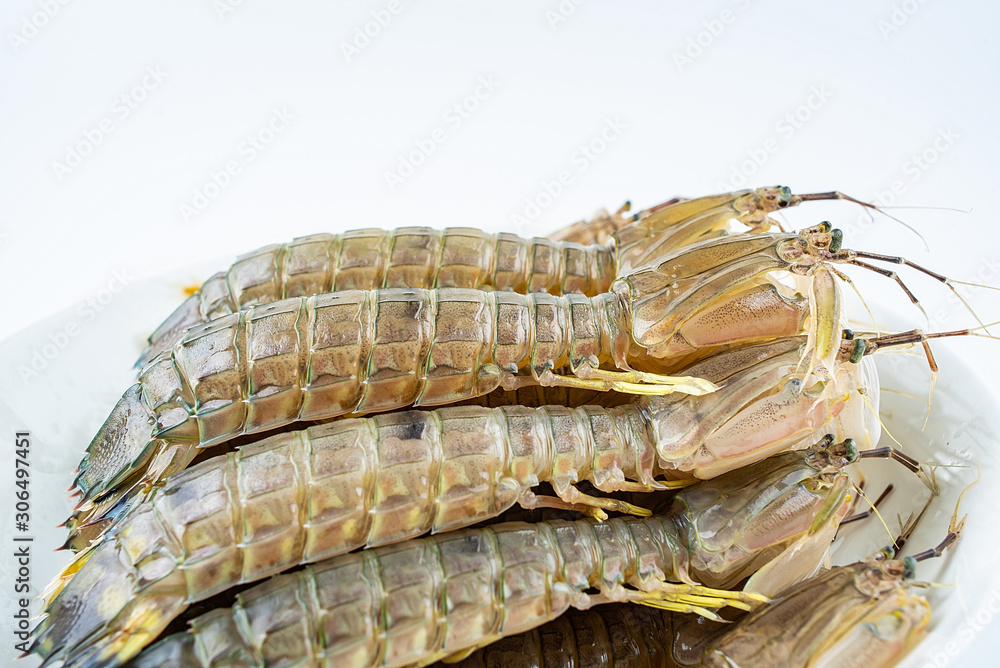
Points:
(859, 351)
(836, 240)
(850, 450)
(847, 449)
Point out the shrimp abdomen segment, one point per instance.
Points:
(348, 352)
(368, 259)
(422, 600)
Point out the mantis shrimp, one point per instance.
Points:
(459, 465)
(367, 351)
(428, 598)
(420, 257)
(860, 613)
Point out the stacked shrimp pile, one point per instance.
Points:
(674, 420)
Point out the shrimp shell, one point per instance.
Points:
(544, 568)
(344, 352)
(145, 573)
(462, 257)
(850, 614)
(763, 408)
(859, 614)
(408, 257)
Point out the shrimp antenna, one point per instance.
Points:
(895, 455)
(865, 514)
(937, 551)
(835, 194)
(899, 456)
(847, 279)
(870, 345)
(878, 418)
(928, 208)
(955, 526)
(851, 257)
(906, 529)
(874, 508)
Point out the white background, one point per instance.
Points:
(693, 98)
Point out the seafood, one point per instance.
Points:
(367, 351)
(502, 453)
(353, 352)
(861, 612)
(421, 257)
(429, 598)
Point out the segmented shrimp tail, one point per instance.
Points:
(58, 583)
(103, 616)
(123, 444)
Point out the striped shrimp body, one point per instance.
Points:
(363, 351)
(861, 614)
(767, 404)
(424, 599)
(354, 352)
(420, 257)
(414, 257)
(850, 615)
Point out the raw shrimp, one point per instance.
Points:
(862, 612)
(429, 598)
(767, 404)
(356, 351)
(421, 257)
